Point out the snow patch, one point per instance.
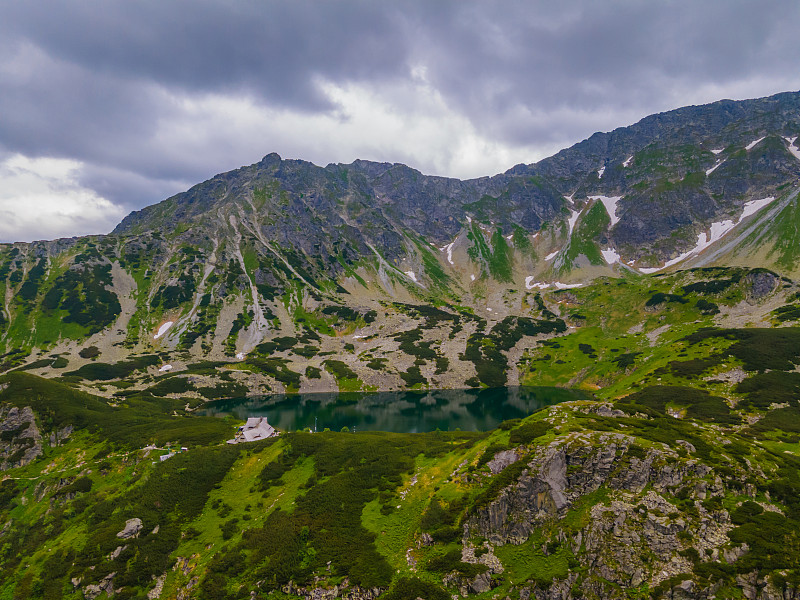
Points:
(567, 286)
(752, 207)
(718, 150)
(531, 284)
(610, 255)
(489, 309)
(469, 219)
(508, 237)
(752, 144)
(628, 161)
(716, 233)
(411, 276)
(610, 202)
(551, 256)
(714, 168)
(704, 240)
(449, 249)
(472, 277)
(573, 218)
(792, 148)
(165, 368)
(240, 356)
(569, 198)
(358, 337)
(163, 329)
(600, 172)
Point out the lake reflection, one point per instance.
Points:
(447, 410)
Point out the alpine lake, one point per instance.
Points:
(402, 412)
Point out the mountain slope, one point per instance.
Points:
(667, 492)
(323, 257)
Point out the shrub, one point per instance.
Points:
(411, 588)
(527, 432)
(89, 352)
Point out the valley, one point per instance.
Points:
(642, 287)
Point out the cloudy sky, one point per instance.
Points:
(110, 105)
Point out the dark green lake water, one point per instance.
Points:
(447, 410)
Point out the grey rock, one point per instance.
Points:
(344, 590)
(604, 410)
(58, 437)
(762, 283)
(131, 529)
(626, 543)
(25, 443)
(482, 583)
(731, 555)
(501, 460)
(92, 591)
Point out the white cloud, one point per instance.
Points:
(408, 121)
(42, 198)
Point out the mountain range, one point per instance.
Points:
(651, 270)
(334, 262)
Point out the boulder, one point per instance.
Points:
(106, 584)
(132, 529)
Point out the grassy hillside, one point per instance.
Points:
(700, 462)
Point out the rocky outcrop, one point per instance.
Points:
(158, 588)
(131, 529)
(20, 439)
(633, 535)
(755, 587)
(762, 284)
(501, 460)
(547, 488)
(106, 585)
(344, 590)
(59, 436)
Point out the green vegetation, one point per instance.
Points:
(105, 371)
(485, 351)
(583, 241)
(497, 257)
(346, 378)
(82, 296)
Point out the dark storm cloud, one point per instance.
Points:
(137, 91)
(271, 49)
(617, 58)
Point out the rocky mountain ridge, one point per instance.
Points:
(285, 256)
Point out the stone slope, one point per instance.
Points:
(282, 248)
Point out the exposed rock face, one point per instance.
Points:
(132, 529)
(90, 592)
(544, 491)
(159, 587)
(633, 539)
(20, 439)
(59, 437)
(380, 200)
(762, 283)
(501, 460)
